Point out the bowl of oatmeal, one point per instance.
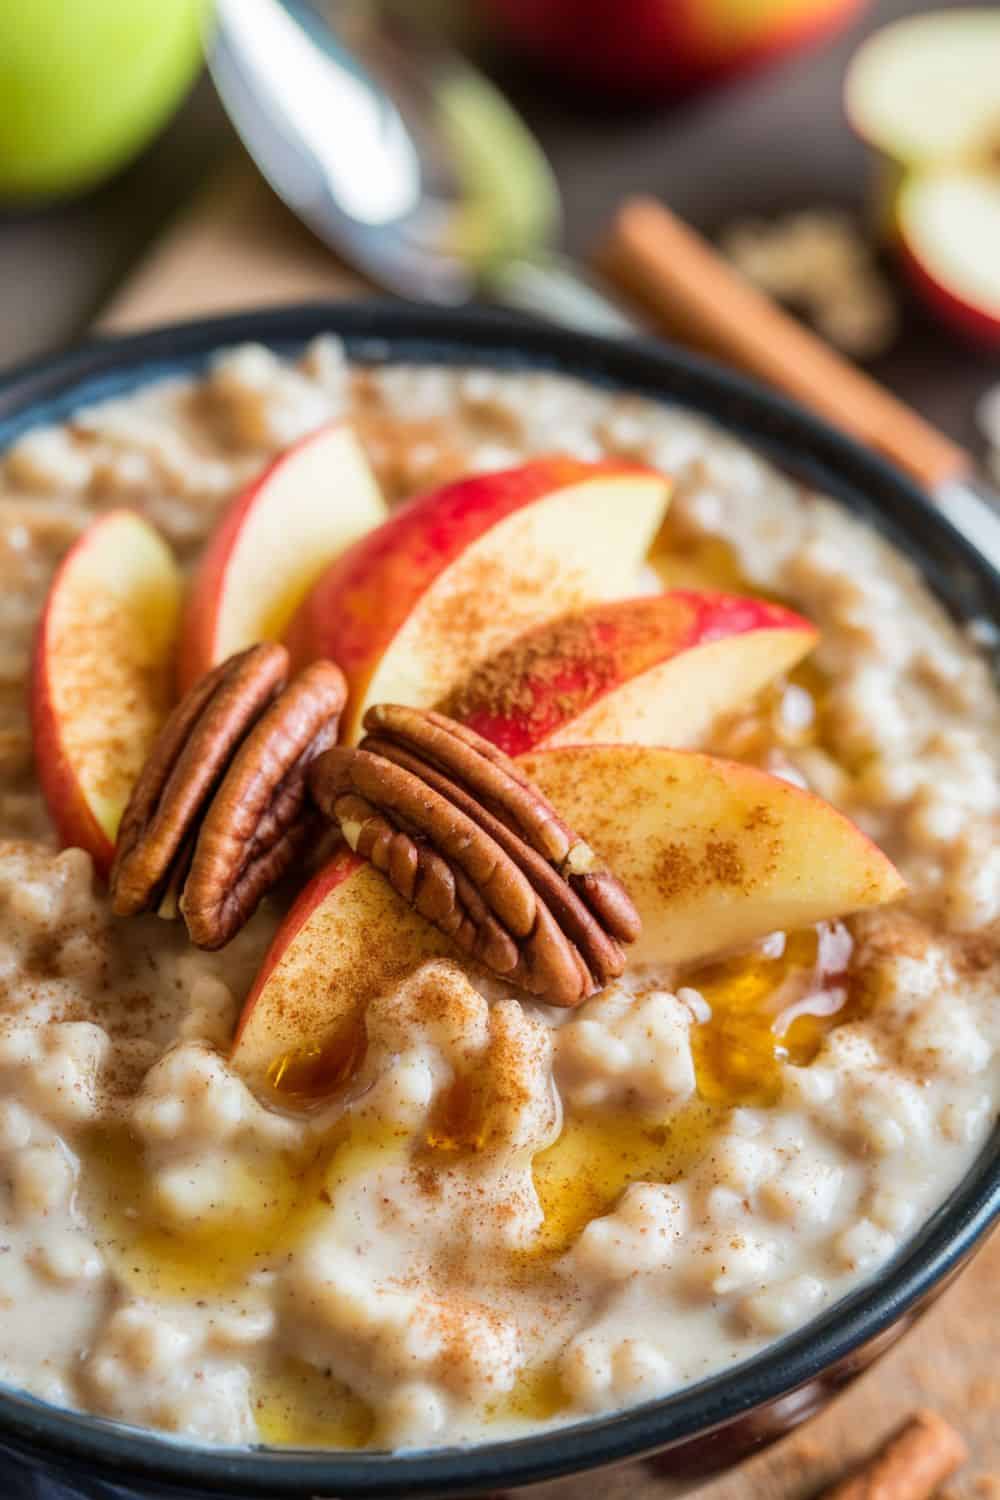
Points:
(498, 906)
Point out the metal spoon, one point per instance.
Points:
(400, 155)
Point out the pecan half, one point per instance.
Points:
(220, 810)
(465, 838)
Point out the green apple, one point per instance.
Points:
(84, 84)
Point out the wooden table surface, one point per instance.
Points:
(191, 228)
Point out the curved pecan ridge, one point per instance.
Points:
(220, 810)
(464, 837)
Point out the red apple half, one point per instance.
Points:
(646, 48)
(273, 543)
(714, 854)
(948, 223)
(102, 675)
(455, 575)
(653, 670)
(925, 89)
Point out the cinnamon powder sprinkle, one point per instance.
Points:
(555, 671)
(679, 873)
(512, 682)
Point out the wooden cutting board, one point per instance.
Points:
(237, 247)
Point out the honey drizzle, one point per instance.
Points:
(297, 1405)
(598, 1154)
(538, 1395)
(686, 561)
(312, 1074)
(263, 1206)
(266, 1207)
(740, 1052)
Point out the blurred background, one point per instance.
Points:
(732, 112)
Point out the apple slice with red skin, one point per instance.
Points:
(347, 938)
(713, 853)
(455, 575)
(654, 670)
(273, 543)
(102, 675)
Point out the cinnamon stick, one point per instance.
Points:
(697, 297)
(918, 1458)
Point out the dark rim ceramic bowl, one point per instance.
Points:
(48, 391)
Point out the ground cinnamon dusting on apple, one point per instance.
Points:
(759, 817)
(520, 679)
(679, 874)
(474, 618)
(108, 669)
(554, 670)
(723, 863)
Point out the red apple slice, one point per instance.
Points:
(653, 670)
(714, 853)
(102, 675)
(949, 232)
(455, 575)
(925, 89)
(347, 938)
(273, 543)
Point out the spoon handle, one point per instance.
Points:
(550, 286)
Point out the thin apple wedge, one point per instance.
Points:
(347, 938)
(654, 670)
(102, 675)
(714, 853)
(455, 575)
(273, 543)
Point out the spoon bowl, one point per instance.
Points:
(400, 155)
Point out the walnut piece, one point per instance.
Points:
(220, 810)
(467, 840)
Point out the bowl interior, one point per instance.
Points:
(50, 390)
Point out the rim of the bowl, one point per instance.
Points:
(46, 390)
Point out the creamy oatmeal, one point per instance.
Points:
(509, 1215)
